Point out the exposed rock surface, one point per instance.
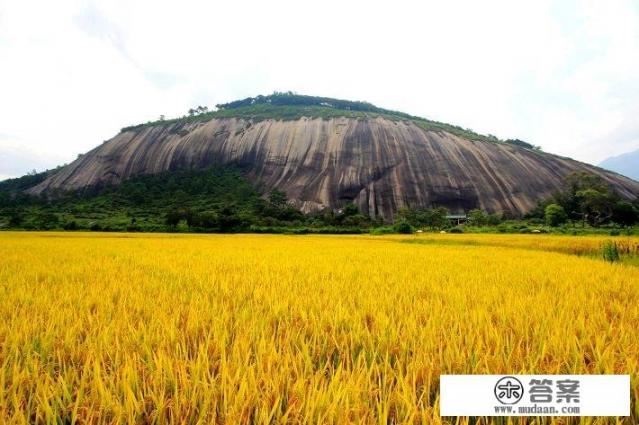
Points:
(378, 163)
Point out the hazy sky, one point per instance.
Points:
(560, 74)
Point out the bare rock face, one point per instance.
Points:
(378, 163)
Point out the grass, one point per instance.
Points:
(123, 328)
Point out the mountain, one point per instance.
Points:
(626, 164)
(326, 153)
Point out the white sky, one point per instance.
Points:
(560, 74)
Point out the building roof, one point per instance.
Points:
(456, 216)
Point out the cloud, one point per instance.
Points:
(90, 20)
(17, 159)
(560, 74)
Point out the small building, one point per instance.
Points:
(457, 219)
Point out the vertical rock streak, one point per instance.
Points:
(377, 163)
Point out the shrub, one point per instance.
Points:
(493, 219)
(71, 225)
(45, 220)
(625, 213)
(503, 228)
(456, 229)
(404, 227)
(610, 252)
(382, 230)
(555, 215)
(477, 217)
(173, 217)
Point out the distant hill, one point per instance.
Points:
(626, 164)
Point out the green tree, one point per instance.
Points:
(493, 219)
(403, 226)
(173, 218)
(625, 213)
(46, 220)
(349, 210)
(595, 206)
(71, 225)
(477, 217)
(208, 220)
(586, 197)
(409, 215)
(228, 219)
(555, 215)
(192, 219)
(277, 198)
(434, 218)
(351, 217)
(357, 220)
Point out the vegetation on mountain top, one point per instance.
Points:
(292, 99)
(288, 106)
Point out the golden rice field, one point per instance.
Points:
(127, 328)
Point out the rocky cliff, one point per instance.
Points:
(377, 162)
